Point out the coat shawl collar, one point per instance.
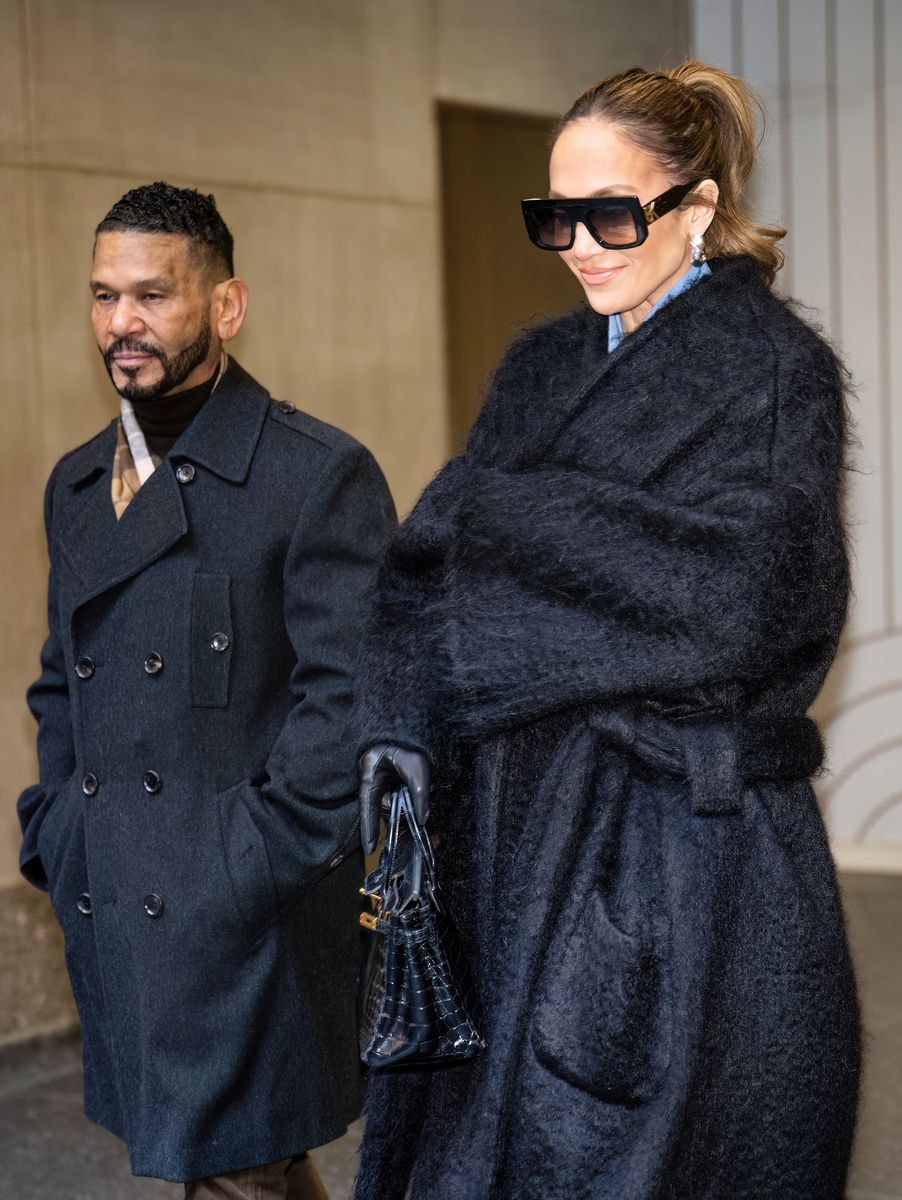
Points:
(222, 438)
(708, 293)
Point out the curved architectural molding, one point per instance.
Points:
(859, 712)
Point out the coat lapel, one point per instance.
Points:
(104, 551)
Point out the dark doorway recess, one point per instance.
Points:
(495, 280)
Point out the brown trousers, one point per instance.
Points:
(290, 1179)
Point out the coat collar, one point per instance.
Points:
(222, 438)
(721, 301)
(224, 434)
(91, 458)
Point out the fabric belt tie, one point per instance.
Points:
(718, 757)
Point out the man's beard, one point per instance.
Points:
(176, 369)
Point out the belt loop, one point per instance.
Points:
(714, 767)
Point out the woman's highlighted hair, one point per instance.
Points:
(698, 122)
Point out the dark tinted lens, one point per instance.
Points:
(552, 226)
(615, 224)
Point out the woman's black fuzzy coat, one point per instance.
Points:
(605, 623)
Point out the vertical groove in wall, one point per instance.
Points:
(832, 197)
(31, 217)
(883, 305)
(691, 29)
(682, 33)
(25, 80)
(736, 48)
(439, 222)
(784, 91)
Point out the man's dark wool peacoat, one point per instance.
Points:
(195, 822)
(605, 623)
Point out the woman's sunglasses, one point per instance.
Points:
(616, 222)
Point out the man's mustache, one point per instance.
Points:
(130, 346)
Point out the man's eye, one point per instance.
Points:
(152, 296)
(102, 297)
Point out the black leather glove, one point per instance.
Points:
(384, 769)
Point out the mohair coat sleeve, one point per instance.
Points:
(404, 678)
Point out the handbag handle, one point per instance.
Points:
(424, 858)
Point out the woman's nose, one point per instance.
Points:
(584, 244)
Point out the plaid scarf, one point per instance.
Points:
(131, 450)
(133, 460)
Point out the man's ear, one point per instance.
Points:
(229, 307)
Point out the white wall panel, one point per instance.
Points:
(857, 250)
(810, 213)
(712, 32)
(831, 167)
(891, 149)
(759, 62)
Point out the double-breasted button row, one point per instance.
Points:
(153, 664)
(153, 905)
(150, 779)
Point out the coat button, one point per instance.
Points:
(90, 784)
(152, 782)
(184, 473)
(83, 904)
(153, 664)
(220, 642)
(84, 667)
(153, 905)
(286, 407)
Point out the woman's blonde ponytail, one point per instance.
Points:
(737, 111)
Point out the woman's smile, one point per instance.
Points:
(598, 276)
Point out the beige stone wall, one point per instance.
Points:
(313, 123)
(536, 56)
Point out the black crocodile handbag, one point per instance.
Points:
(417, 1002)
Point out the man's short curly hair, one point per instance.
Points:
(162, 208)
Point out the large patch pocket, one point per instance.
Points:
(211, 639)
(603, 1017)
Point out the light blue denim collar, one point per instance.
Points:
(692, 276)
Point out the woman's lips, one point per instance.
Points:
(594, 278)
